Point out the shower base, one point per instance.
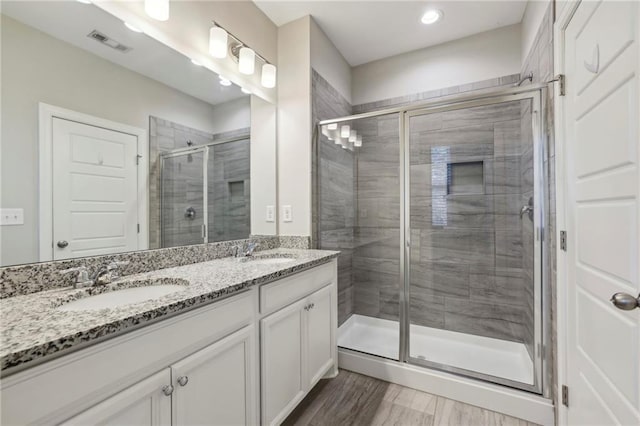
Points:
(494, 357)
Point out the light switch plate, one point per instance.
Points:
(287, 214)
(271, 214)
(11, 217)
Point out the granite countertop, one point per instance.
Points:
(32, 329)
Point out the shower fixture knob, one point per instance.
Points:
(625, 301)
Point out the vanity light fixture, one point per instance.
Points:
(132, 27)
(268, 79)
(225, 81)
(219, 45)
(218, 41)
(157, 9)
(432, 16)
(196, 63)
(246, 60)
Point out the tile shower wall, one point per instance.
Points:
(467, 258)
(228, 196)
(334, 175)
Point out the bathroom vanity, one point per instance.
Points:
(243, 343)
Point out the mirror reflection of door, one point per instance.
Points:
(95, 190)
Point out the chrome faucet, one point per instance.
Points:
(105, 275)
(240, 250)
(250, 249)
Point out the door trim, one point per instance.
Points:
(46, 114)
(562, 297)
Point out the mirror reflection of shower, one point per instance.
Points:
(204, 192)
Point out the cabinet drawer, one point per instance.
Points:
(287, 290)
(61, 388)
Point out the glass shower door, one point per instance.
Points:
(474, 264)
(183, 198)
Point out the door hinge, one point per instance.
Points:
(563, 240)
(138, 228)
(560, 78)
(138, 157)
(565, 395)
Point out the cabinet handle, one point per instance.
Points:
(183, 380)
(167, 390)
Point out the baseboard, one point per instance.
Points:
(504, 400)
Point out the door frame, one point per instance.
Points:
(562, 297)
(46, 114)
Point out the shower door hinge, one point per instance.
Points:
(138, 157)
(565, 395)
(560, 78)
(138, 228)
(563, 240)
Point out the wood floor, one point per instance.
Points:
(354, 399)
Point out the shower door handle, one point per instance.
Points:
(625, 301)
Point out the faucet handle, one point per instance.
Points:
(116, 264)
(82, 277)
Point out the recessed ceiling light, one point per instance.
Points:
(225, 82)
(432, 16)
(84, 1)
(196, 63)
(247, 91)
(132, 27)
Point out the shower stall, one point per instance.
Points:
(204, 193)
(439, 212)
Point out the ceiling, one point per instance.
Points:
(364, 31)
(148, 56)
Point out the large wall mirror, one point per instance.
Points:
(113, 142)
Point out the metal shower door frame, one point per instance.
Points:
(536, 95)
(542, 296)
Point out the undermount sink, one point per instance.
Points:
(135, 292)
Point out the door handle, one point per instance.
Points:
(528, 209)
(625, 301)
(63, 244)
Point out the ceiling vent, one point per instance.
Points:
(106, 40)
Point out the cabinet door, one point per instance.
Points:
(319, 334)
(144, 403)
(282, 362)
(216, 386)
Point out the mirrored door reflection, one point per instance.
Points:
(472, 241)
(183, 198)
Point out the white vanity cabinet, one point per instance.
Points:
(298, 345)
(198, 367)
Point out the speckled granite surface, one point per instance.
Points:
(34, 277)
(32, 328)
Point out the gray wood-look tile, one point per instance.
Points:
(352, 399)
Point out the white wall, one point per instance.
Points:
(329, 62)
(263, 165)
(232, 115)
(57, 73)
(533, 14)
(479, 57)
(294, 125)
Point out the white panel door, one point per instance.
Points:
(319, 327)
(603, 220)
(143, 404)
(215, 385)
(95, 190)
(282, 362)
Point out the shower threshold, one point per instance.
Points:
(494, 357)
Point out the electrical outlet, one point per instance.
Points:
(271, 214)
(287, 214)
(11, 217)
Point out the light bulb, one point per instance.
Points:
(268, 76)
(246, 61)
(431, 16)
(246, 91)
(196, 63)
(345, 131)
(218, 39)
(225, 82)
(157, 9)
(358, 141)
(352, 136)
(332, 126)
(132, 27)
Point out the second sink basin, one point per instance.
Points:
(124, 296)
